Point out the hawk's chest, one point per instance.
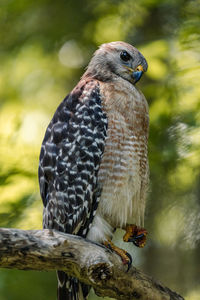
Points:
(124, 160)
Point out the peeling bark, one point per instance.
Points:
(91, 263)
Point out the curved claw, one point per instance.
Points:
(125, 256)
(136, 239)
(139, 240)
(130, 261)
(138, 236)
(135, 234)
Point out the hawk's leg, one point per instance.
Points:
(135, 234)
(125, 256)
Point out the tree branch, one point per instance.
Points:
(93, 264)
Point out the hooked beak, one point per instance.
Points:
(137, 73)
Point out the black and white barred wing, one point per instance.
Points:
(69, 161)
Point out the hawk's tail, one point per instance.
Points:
(70, 288)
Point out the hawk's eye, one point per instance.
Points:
(125, 56)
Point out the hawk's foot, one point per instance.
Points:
(135, 234)
(125, 256)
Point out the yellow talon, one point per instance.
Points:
(125, 256)
(135, 234)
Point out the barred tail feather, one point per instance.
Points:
(70, 288)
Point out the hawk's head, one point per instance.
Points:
(117, 59)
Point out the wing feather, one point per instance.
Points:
(70, 158)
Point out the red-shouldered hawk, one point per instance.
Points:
(93, 170)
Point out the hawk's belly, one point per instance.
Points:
(120, 177)
(121, 200)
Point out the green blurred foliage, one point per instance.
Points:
(44, 48)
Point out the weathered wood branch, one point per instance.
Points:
(47, 250)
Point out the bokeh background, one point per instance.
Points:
(44, 48)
